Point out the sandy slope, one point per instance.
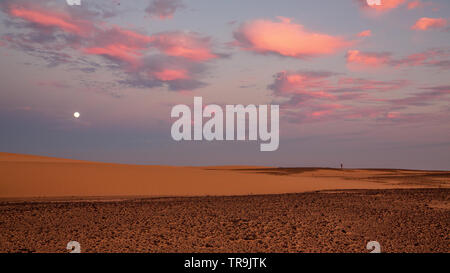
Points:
(37, 176)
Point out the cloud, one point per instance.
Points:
(118, 44)
(48, 16)
(178, 65)
(327, 84)
(370, 59)
(171, 74)
(288, 82)
(286, 38)
(305, 96)
(128, 45)
(426, 23)
(415, 4)
(420, 4)
(365, 33)
(189, 45)
(164, 9)
(433, 58)
(178, 58)
(426, 97)
(24, 42)
(316, 96)
(321, 96)
(159, 70)
(45, 19)
(386, 5)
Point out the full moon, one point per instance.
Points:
(76, 115)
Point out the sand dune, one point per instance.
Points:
(26, 176)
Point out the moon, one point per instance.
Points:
(76, 115)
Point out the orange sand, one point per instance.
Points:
(25, 176)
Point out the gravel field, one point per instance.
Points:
(401, 220)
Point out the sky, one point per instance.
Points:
(368, 86)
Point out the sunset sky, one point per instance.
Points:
(366, 86)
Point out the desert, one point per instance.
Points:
(47, 202)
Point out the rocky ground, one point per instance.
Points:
(401, 220)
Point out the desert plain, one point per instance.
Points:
(46, 202)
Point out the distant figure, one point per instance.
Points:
(342, 165)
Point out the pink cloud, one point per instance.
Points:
(365, 33)
(133, 37)
(45, 19)
(357, 60)
(130, 51)
(323, 111)
(120, 44)
(315, 96)
(433, 57)
(286, 38)
(188, 45)
(367, 58)
(119, 51)
(53, 19)
(129, 45)
(386, 5)
(171, 74)
(420, 4)
(415, 4)
(288, 82)
(320, 96)
(326, 109)
(322, 84)
(308, 96)
(426, 23)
